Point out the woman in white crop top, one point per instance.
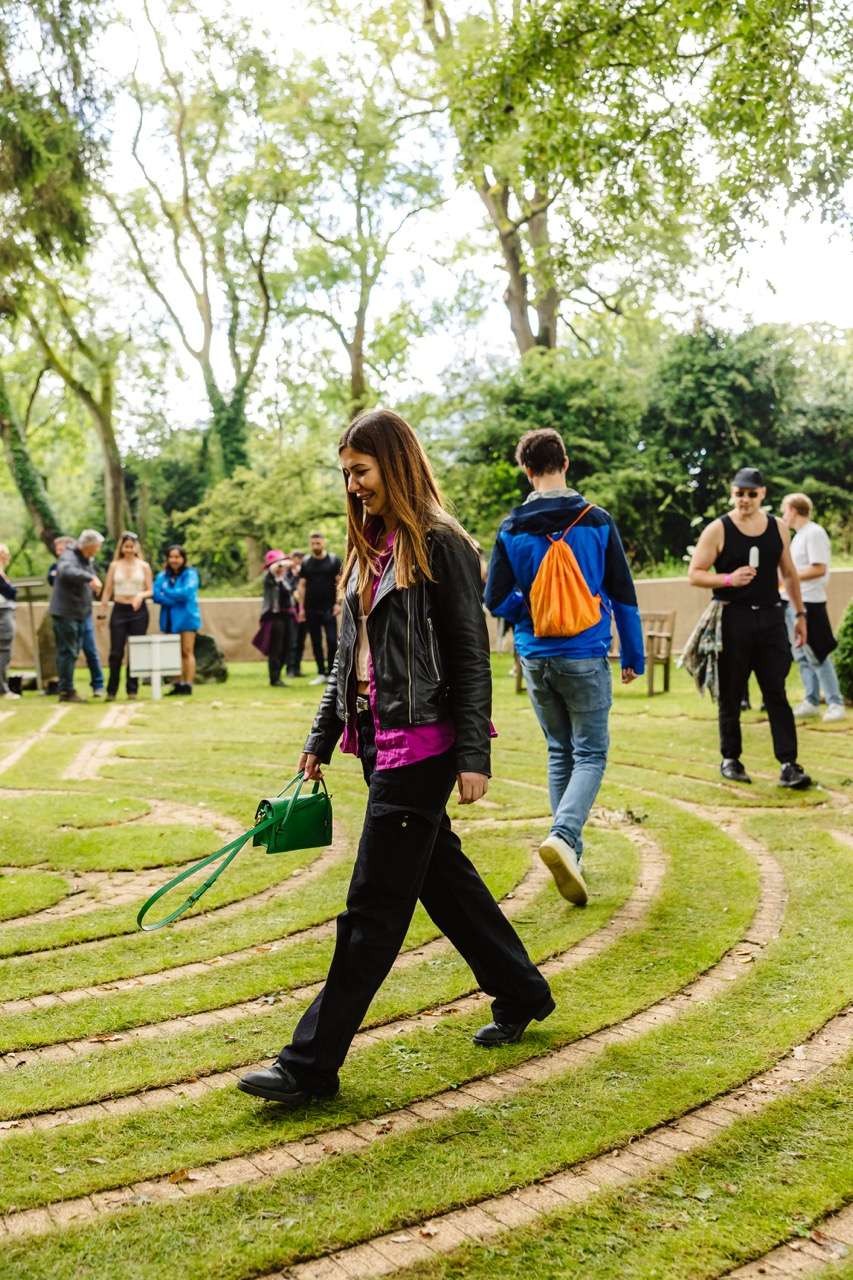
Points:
(128, 585)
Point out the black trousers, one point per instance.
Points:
(281, 627)
(755, 640)
(297, 646)
(125, 621)
(408, 851)
(322, 622)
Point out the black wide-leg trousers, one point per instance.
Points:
(408, 851)
(755, 640)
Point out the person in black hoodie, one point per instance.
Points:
(277, 614)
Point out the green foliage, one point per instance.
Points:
(658, 447)
(227, 533)
(651, 122)
(843, 656)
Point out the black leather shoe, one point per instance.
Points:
(277, 684)
(794, 776)
(276, 1084)
(498, 1033)
(734, 771)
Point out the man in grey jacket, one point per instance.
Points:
(71, 605)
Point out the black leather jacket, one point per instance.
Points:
(430, 651)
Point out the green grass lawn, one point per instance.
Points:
(231, 744)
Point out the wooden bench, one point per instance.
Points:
(658, 630)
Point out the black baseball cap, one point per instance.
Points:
(749, 478)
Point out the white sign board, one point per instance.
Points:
(154, 656)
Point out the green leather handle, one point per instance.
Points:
(227, 853)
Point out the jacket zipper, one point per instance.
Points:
(432, 648)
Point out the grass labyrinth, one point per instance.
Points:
(685, 1112)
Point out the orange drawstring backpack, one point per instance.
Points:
(561, 603)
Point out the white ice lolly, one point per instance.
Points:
(753, 557)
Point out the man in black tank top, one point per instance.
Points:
(748, 551)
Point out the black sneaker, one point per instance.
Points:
(73, 696)
(794, 776)
(733, 771)
(175, 691)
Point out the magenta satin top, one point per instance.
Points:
(411, 743)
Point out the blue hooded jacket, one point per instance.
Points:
(519, 550)
(178, 600)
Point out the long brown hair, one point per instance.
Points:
(411, 491)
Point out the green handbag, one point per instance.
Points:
(281, 825)
(300, 822)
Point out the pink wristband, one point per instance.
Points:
(728, 579)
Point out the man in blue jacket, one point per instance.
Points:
(568, 677)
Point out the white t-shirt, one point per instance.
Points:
(810, 545)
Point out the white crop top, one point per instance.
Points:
(128, 579)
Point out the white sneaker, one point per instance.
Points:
(562, 861)
(318, 680)
(99, 693)
(835, 711)
(10, 694)
(804, 709)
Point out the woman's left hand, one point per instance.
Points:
(472, 787)
(136, 603)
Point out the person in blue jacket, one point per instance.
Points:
(176, 592)
(567, 677)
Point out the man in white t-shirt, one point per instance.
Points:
(810, 552)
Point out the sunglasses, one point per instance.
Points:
(746, 493)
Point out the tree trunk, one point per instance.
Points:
(254, 558)
(357, 382)
(547, 300)
(115, 494)
(228, 425)
(29, 482)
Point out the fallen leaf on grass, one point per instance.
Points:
(96, 1159)
(103, 1039)
(401, 1239)
(181, 1175)
(60, 1169)
(429, 1232)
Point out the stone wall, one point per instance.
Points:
(234, 621)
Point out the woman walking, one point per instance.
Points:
(410, 691)
(128, 585)
(278, 614)
(8, 592)
(176, 592)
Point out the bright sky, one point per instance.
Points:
(798, 271)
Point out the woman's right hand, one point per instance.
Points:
(743, 576)
(309, 767)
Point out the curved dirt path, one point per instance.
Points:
(652, 867)
(18, 752)
(830, 1241)
(519, 897)
(582, 1182)
(282, 888)
(241, 1170)
(89, 890)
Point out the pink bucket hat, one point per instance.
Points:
(273, 557)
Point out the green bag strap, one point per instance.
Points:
(228, 852)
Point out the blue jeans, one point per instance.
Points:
(815, 675)
(90, 649)
(571, 698)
